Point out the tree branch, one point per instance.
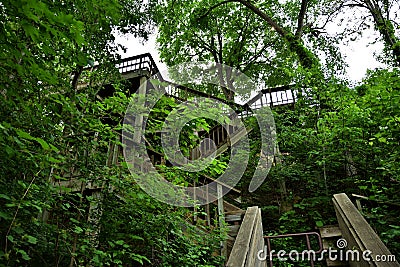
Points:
(256, 55)
(385, 28)
(214, 7)
(306, 58)
(300, 18)
(77, 73)
(265, 17)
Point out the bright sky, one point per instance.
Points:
(359, 56)
(135, 47)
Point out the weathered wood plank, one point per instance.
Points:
(233, 217)
(330, 231)
(358, 233)
(256, 243)
(242, 244)
(221, 218)
(349, 234)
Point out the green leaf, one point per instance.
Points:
(24, 255)
(382, 140)
(9, 150)
(32, 239)
(119, 242)
(11, 238)
(319, 223)
(24, 135)
(43, 143)
(54, 160)
(31, 31)
(78, 230)
(27, 136)
(135, 237)
(5, 216)
(5, 196)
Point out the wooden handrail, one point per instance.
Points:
(359, 235)
(249, 241)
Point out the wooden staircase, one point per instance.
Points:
(137, 70)
(245, 229)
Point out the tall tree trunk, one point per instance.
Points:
(306, 58)
(386, 29)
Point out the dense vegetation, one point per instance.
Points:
(52, 130)
(336, 138)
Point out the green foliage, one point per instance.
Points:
(212, 36)
(57, 138)
(53, 131)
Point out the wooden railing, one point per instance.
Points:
(360, 236)
(143, 62)
(275, 96)
(272, 97)
(144, 65)
(249, 241)
(360, 246)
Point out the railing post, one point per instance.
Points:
(221, 217)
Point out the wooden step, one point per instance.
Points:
(233, 230)
(329, 231)
(330, 234)
(331, 243)
(233, 217)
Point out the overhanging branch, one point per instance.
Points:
(300, 19)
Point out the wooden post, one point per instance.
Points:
(221, 217)
(137, 137)
(281, 181)
(208, 208)
(115, 152)
(195, 204)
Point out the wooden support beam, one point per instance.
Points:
(221, 217)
